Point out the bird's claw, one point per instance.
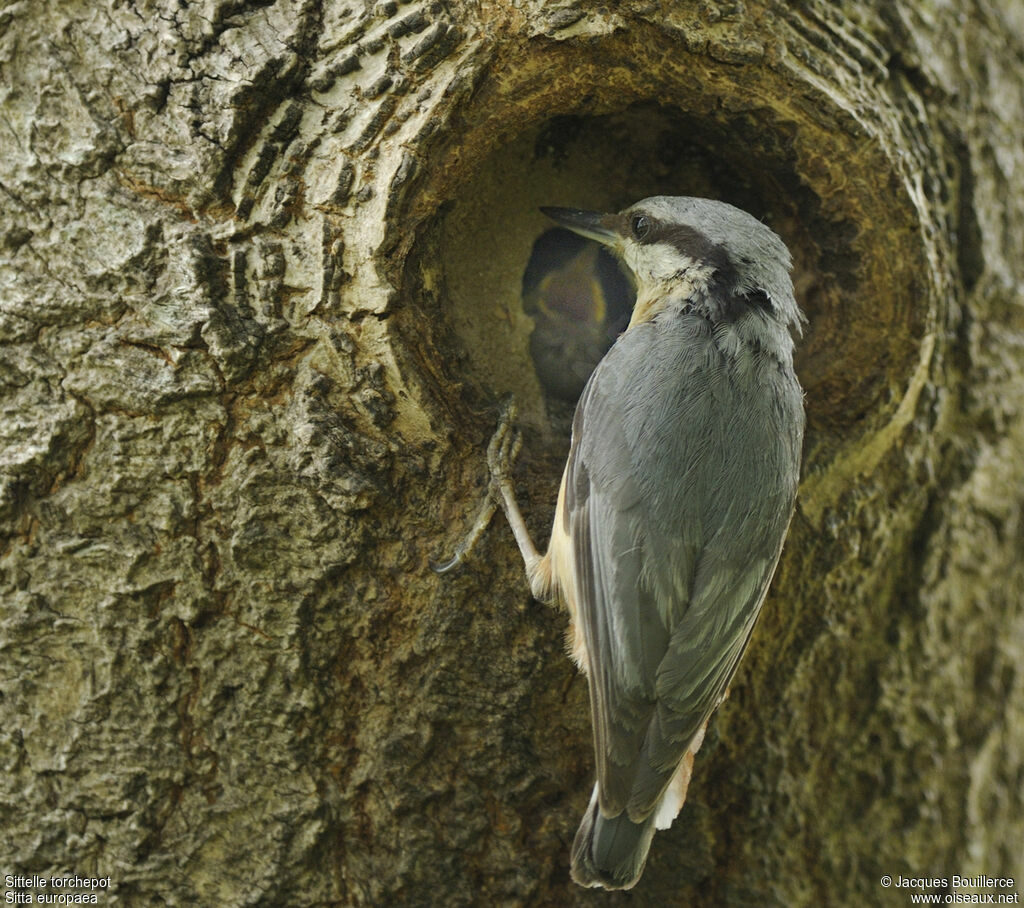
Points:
(502, 452)
(503, 449)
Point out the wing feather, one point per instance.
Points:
(675, 531)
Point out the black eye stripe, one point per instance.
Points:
(695, 245)
(688, 240)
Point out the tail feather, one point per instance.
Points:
(610, 852)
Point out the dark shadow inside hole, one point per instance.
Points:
(580, 299)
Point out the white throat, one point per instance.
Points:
(671, 278)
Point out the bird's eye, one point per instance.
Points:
(640, 224)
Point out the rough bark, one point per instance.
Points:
(261, 267)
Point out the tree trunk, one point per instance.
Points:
(261, 291)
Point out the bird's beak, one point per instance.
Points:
(591, 224)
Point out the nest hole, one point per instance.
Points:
(506, 268)
(851, 270)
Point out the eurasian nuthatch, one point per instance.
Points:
(674, 504)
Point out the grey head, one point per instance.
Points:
(678, 244)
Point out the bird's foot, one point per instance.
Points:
(501, 455)
(503, 450)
